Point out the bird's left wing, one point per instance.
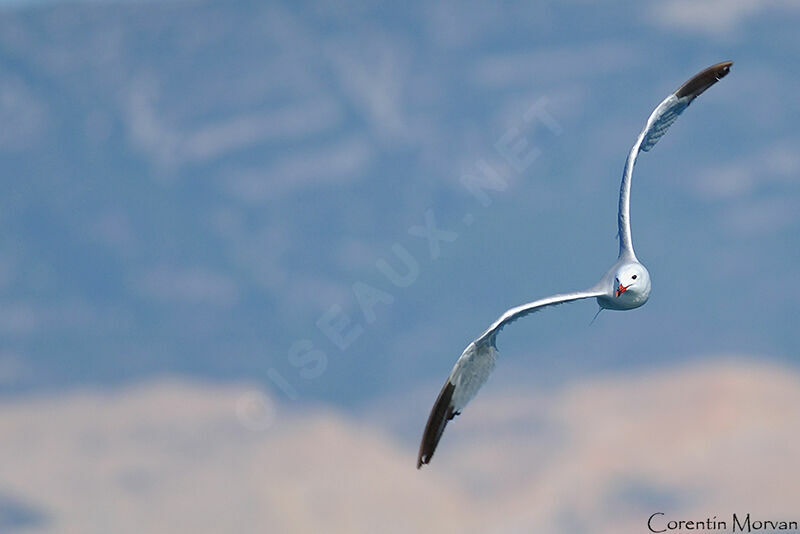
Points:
(473, 368)
(657, 125)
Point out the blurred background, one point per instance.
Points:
(243, 243)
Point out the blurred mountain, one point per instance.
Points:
(602, 455)
(195, 187)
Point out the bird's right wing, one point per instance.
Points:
(657, 125)
(473, 368)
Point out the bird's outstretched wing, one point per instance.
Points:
(473, 367)
(658, 123)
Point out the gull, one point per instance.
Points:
(625, 286)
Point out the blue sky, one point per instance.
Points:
(191, 186)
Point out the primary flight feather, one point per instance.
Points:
(625, 286)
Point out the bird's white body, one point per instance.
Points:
(625, 286)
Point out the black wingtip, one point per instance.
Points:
(441, 413)
(703, 80)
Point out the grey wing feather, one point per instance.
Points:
(661, 120)
(490, 335)
(473, 368)
(657, 125)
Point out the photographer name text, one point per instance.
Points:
(658, 522)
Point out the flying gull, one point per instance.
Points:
(625, 286)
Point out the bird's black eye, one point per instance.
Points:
(633, 277)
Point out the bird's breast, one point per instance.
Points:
(626, 301)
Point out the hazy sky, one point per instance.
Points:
(199, 188)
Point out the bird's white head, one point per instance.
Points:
(631, 285)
